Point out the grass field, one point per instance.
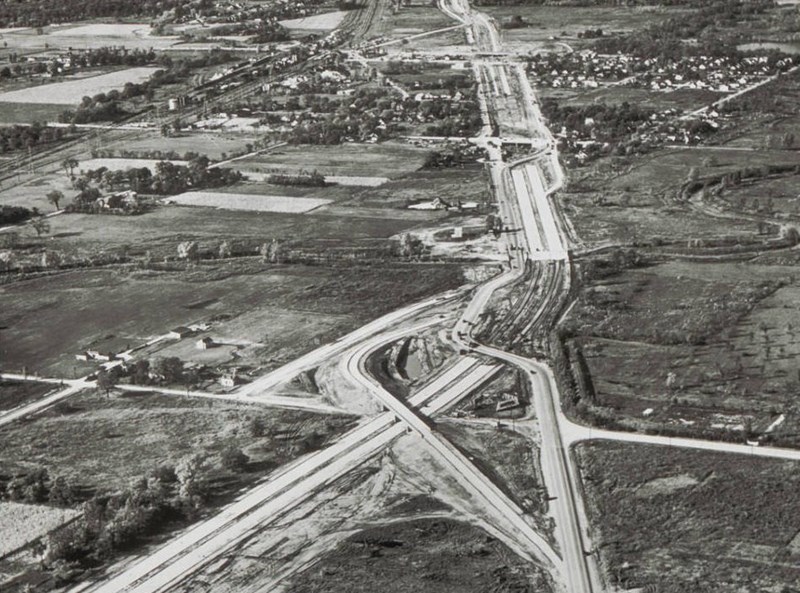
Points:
(683, 99)
(249, 202)
(596, 195)
(705, 347)
(17, 393)
(319, 22)
(568, 21)
(386, 159)
(779, 194)
(214, 145)
(82, 438)
(435, 556)
(27, 113)
(678, 520)
(161, 230)
(71, 92)
(509, 459)
(410, 21)
(285, 307)
(89, 36)
(22, 524)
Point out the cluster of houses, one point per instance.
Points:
(719, 74)
(584, 69)
(588, 69)
(119, 350)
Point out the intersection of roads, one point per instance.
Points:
(523, 190)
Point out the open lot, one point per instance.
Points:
(682, 99)
(411, 20)
(81, 438)
(286, 308)
(21, 524)
(679, 520)
(386, 159)
(14, 394)
(698, 347)
(28, 113)
(432, 555)
(319, 22)
(509, 459)
(565, 22)
(216, 146)
(71, 92)
(258, 203)
(88, 36)
(634, 199)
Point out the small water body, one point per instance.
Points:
(787, 48)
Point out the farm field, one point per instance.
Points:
(89, 36)
(22, 524)
(82, 309)
(319, 22)
(699, 348)
(71, 92)
(78, 438)
(432, 555)
(33, 193)
(249, 202)
(410, 21)
(636, 198)
(777, 195)
(682, 99)
(566, 22)
(386, 159)
(28, 113)
(216, 146)
(391, 198)
(161, 230)
(121, 164)
(681, 520)
(14, 394)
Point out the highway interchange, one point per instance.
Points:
(538, 258)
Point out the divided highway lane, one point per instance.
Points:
(202, 544)
(474, 481)
(328, 351)
(72, 387)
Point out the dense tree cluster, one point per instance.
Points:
(24, 137)
(76, 60)
(313, 179)
(13, 215)
(39, 13)
(706, 26)
(168, 179)
(374, 112)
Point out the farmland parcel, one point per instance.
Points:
(71, 92)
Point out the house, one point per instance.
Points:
(230, 379)
(508, 401)
(205, 343)
(179, 333)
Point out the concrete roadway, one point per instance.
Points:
(333, 349)
(72, 386)
(289, 487)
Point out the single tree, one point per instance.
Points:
(54, 197)
(40, 225)
(105, 381)
(69, 165)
